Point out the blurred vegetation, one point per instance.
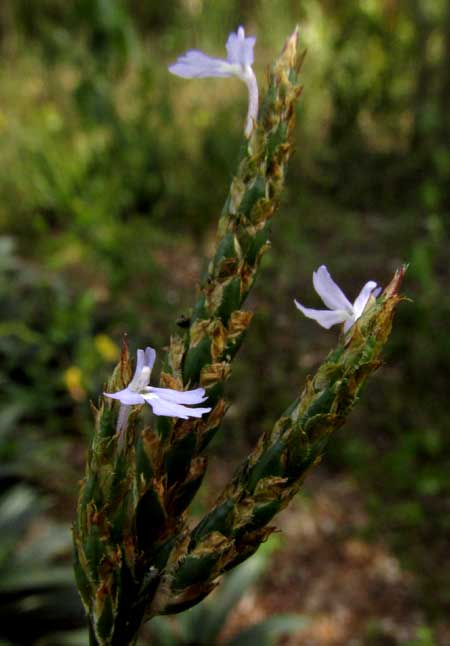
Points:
(113, 177)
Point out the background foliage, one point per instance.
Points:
(113, 177)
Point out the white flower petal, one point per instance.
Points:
(127, 397)
(144, 364)
(362, 298)
(325, 318)
(140, 363)
(150, 356)
(122, 423)
(170, 409)
(252, 114)
(163, 408)
(329, 292)
(196, 396)
(240, 48)
(196, 64)
(349, 323)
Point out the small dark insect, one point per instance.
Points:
(184, 321)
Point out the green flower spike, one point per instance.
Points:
(274, 472)
(134, 553)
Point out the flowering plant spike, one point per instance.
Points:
(196, 64)
(135, 554)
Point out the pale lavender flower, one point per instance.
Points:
(164, 401)
(196, 64)
(340, 309)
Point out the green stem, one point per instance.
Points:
(92, 638)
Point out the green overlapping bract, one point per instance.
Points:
(273, 473)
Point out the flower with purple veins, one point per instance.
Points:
(164, 401)
(196, 64)
(340, 309)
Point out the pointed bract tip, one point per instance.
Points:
(124, 350)
(292, 40)
(394, 286)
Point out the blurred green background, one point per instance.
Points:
(113, 176)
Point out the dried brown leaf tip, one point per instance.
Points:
(394, 286)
